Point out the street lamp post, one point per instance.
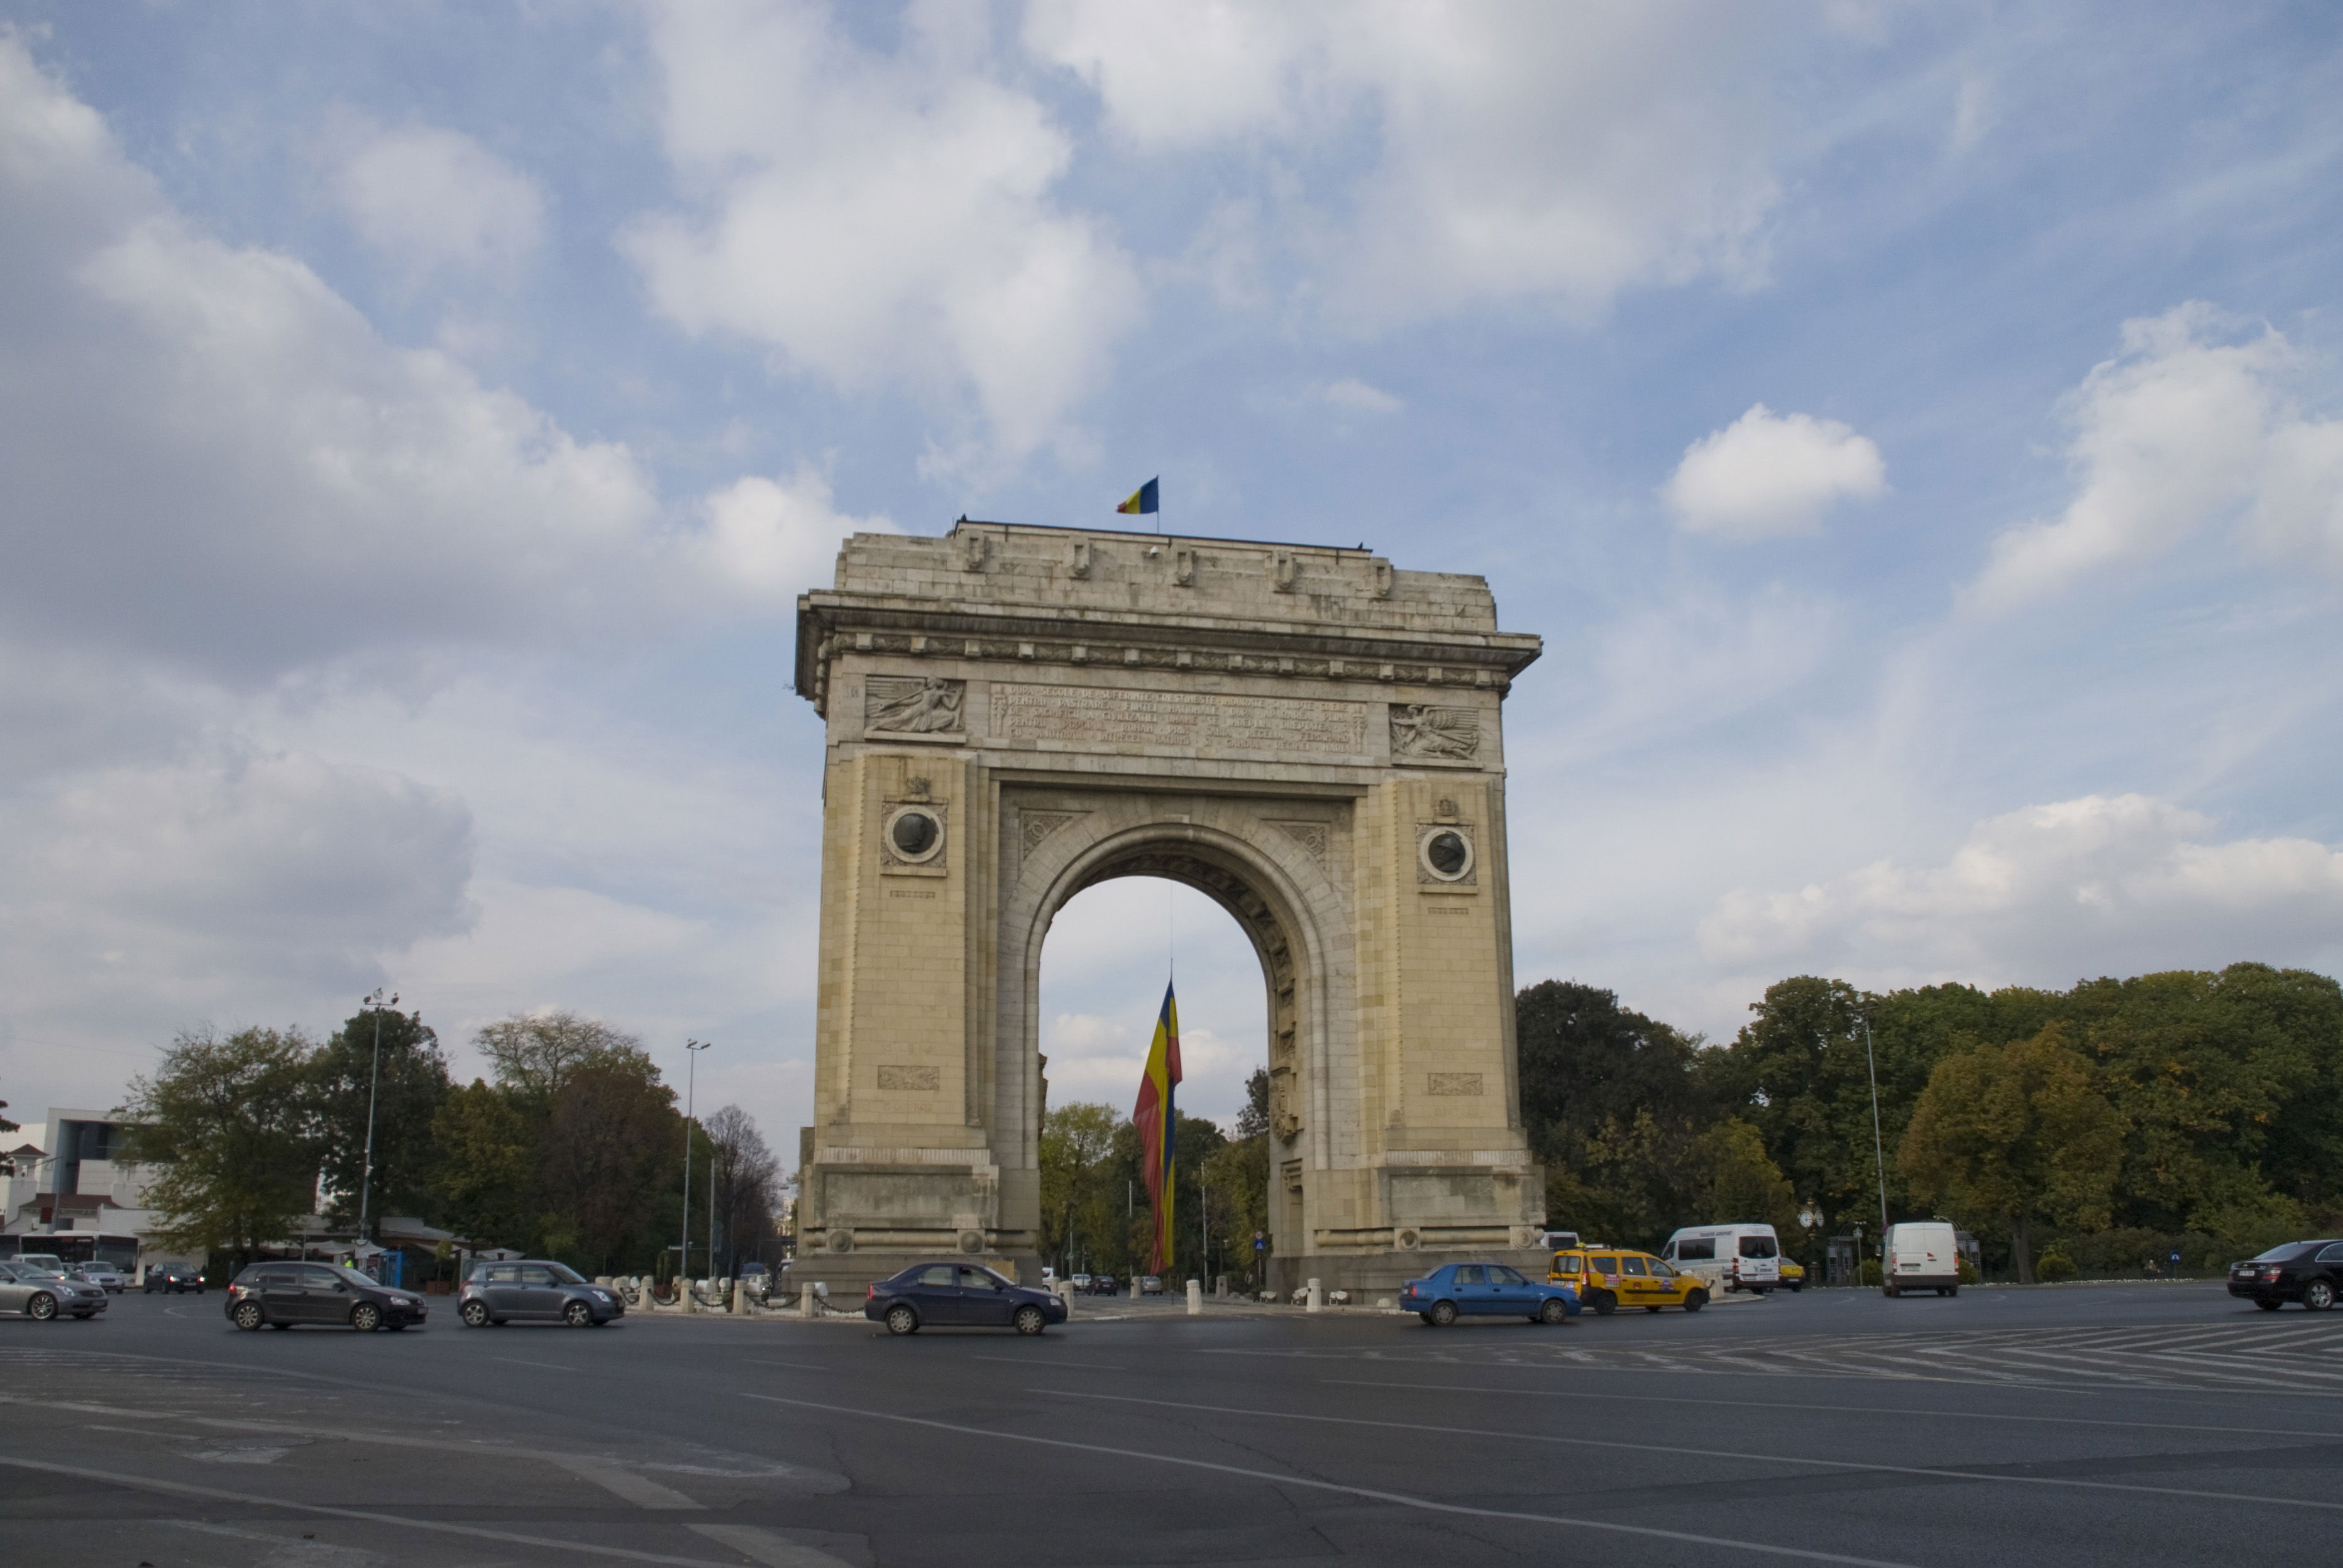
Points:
(692, 1049)
(1878, 1149)
(374, 1005)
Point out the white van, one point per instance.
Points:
(1729, 1257)
(1922, 1255)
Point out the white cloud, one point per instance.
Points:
(1363, 399)
(1770, 476)
(2178, 433)
(2122, 884)
(1526, 150)
(880, 221)
(777, 537)
(190, 881)
(428, 199)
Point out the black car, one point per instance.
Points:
(2311, 1272)
(280, 1295)
(173, 1279)
(960, 1295)
(536, 1287)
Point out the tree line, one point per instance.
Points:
(2120, 1119)
(574, 1150)
(2115, 1121)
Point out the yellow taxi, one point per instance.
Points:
(1793, 1275)
(1609, 1278)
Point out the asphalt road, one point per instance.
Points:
(2147, 1423)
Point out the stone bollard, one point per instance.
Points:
(1195, 1298)
(1317, 1299)
(740, 1303)
(1065, 1289)
(808, 1304)
(1221, 1286)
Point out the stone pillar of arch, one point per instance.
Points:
(1306, 735)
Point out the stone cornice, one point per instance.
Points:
(830, 622)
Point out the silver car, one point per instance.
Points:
(40, 1294)
(536, 1287)
(106, 1276)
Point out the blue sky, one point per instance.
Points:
(1916, 431)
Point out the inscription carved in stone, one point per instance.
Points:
(912, 705)
(1205, 720)
(1421, 729)
(1464, 1083)
(913, 1078)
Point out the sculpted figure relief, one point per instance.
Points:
(1420, 729)
(911, 706)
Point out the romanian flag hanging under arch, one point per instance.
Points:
(1153, 1116)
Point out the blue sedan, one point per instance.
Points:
(1487, 1290)
(960, 1295)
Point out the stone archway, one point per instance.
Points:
(1307, 736)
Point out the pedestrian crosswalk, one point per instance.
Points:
(2293, 1355)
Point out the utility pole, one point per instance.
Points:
(692, 1048)
(374, 1005)
(1878, 1149)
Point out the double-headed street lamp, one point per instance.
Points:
(377, 1006)
(683, 1250)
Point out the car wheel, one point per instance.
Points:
(1952, 1289)
(1030, 1320)
(475, 1314)
(1555, 1311)
(1427, 1319)
(1695, 1300)
(1606, 1303)
(42, 1308)
(577, 1314)
(1443, 1314)
(1890, 1292)
(2318, 1295)
(2269, 1306)
(902, 1319)
(248, 1316)
(365, 1317)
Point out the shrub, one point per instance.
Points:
(1871, 1270)
(2054, 1266)
(1968, 1270)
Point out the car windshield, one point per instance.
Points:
(2287, 1253)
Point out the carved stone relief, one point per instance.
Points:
(1313, 837)
(1463, 1083)
(1036, 826)
(1284, 1120)
(913, 1078)
(912, 704)
(1420, 731)
(1206, 720)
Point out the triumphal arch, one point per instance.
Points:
(1307, 734)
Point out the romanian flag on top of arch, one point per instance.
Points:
(1153, 1116)
(1148, 497)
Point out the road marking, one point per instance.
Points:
(549, 1366)
(1028, 1361)
(640, 1490)
(1840, 1464)
(793, 1366)
(764, 1546)
(1401, 1499)
(1835, 1409)
(366, 1516)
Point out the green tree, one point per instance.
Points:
(745, 1182)
(226, 1123)
(611, 1145)
(1077, 1145)
(405, 1095)
(2018, 1132)
(487, 1168)
(1737, 1183)
(535, 1055)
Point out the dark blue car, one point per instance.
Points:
(960, 1295)
(1456, 1291)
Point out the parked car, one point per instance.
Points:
(173, 1279)
(1727, 1257)
(1607, 1278)
(43, 1295)
(960, 1295)
(1922, 1255)
(1081, 1283)
(1455, 1290)
(1794, 1274)
(280, 1295)
(1150, 1285)
(102, 1274)
(536, 1290)
(2311, 1272)
(1104, 1285)
(46, 1262)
